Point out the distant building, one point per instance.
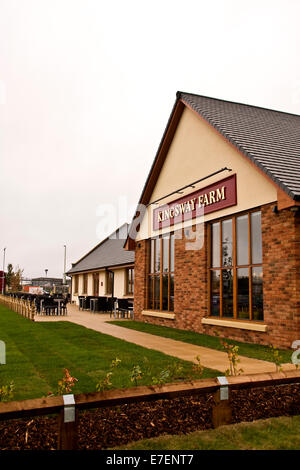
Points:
(47, 281)
(2, 281)
(107, 270)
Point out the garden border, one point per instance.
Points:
(221, 412)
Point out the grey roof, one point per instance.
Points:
(108, 253)
(270, 139)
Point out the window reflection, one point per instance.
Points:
(239, 273)
(227, 291)
(215, 245)
(156, 292)
(256, 238)
(160, 279)
(243, 293)
(166, 242)
(257, 293)
(150, 293)
(242, 240)
(215, 293)
(157, 255)
(171, 300)
(152, 251)
(227, 243)
(165, 290)
(172, 252)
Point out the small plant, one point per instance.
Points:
(232, 353)
(105, 383)
(6, 391)
(276, 358)
(65, 384)
(136, 374)
(175, 370)
(198, 368)
(161, 378)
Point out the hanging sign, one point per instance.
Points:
(210, 199)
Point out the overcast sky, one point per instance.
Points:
(86, 89)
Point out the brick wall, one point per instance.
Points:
(281, 274)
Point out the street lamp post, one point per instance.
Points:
(64, 276)
(3, 275)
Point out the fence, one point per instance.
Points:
(21, 306)
(67, 406)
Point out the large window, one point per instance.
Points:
(236, 275)
(161, 274)
(96, 284)
(76, 279)
(109, 282)
(130, 281)
(85, 284)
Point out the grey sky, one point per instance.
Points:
(87, 87)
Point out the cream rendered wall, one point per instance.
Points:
(119, 282)
(80, 287)
(80, 284)
(102, 280)
(120, 277)
(196, 151)
(74, 297)
(90, 284)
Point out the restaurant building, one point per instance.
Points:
(216, 234)
(105, 271)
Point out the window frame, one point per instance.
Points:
(96, 279)
(85, 283)
(234, 267)
(109, 283)
(130, 281)
(159, 274)
(76, 283)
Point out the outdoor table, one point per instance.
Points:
(59, 301)
(93, 303)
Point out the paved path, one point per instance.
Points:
(209, 357)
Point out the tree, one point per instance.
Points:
(9, 274)
(15, 280)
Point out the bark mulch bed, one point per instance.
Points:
(104, 428)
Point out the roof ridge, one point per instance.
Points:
(179, 93)
(99, 244)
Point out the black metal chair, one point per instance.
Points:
(99, 304)
(81, 301)
(50, 307)
(124, 308)
(103, 304)
(63, 307)
(111, 304)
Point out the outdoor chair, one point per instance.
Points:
(124, 307)
(81, 302)
(111, 304)
(50, 307)
(102, 304)
(86, 303)
(63, 307)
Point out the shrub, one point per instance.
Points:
(6, 391)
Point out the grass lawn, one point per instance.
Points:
(255, 351)
(268, 434)
(38, 353)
